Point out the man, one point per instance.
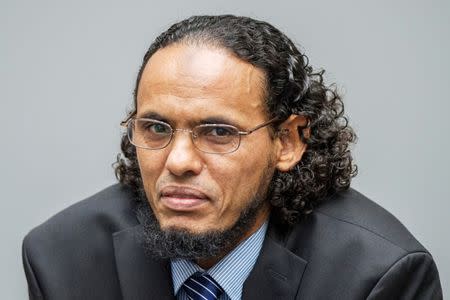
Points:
(234, 184)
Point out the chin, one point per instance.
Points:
(189, 237)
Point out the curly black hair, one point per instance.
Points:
(292, 87)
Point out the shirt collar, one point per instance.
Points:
(231, 271)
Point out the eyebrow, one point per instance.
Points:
(208, 120)
(152, 115)
(218, 120)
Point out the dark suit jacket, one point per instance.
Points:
(349, 248)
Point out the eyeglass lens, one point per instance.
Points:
(211, 138)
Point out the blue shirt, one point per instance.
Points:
(230, 272)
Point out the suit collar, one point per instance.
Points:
(277, 273)
(140, 276)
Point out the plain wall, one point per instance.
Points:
(67, 70)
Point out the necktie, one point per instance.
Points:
(201, 286)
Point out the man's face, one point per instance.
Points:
(186, 86)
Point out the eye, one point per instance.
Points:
(159, 128)
(219, 131)
(154, 128)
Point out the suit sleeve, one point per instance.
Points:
(34, 291)
(414, 276)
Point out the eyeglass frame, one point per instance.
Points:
(131, 117)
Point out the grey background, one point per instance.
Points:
(67, 70)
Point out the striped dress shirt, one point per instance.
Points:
(230, 272)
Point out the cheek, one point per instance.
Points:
(239, 180)
(150, 165)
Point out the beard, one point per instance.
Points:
(181, 243)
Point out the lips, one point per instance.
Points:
(183, 198)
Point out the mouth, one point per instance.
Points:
(182, 198)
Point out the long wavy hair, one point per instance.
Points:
(292, 87)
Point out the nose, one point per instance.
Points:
(183, 158)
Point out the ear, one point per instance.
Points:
(291, 145)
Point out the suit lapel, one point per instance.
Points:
(277, 273)
(140, 277)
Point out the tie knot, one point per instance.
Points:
(201, 286)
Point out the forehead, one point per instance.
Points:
(182, 77)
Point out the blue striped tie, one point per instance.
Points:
(201, 286)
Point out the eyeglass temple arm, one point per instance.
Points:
(125, 122)
(269, 122)
(259, 126)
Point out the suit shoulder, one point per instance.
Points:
(358, 211)
(77, 243)
(350, 234)
(106, 211)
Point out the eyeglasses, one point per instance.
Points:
(210, 138)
